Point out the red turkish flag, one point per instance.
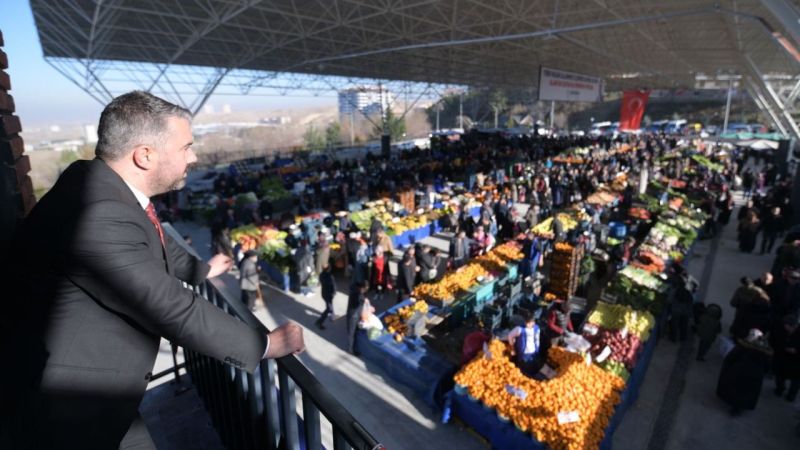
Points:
(632, 109)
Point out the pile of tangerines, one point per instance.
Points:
(577, 387)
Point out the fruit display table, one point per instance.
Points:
(410, 362)
(411, 236)
(503, 434)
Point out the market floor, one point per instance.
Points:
(677, 406)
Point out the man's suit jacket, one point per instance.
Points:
(93, 296)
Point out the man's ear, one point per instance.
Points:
(144, 157)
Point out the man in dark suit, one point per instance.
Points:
(96, 283)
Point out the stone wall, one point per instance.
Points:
(16, 188)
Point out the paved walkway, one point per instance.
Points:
(677, 407)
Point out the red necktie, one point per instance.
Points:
(151, 214)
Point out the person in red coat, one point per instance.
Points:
(379, 280)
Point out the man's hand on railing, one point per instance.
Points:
(219, 264)
(285, 340)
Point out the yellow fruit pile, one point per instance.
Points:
(406, 223)
(577, 387)
(458, 282)
(617, 317)
(544, 228)
(452, 284)
(396, 323)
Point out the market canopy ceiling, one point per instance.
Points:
(629, 43)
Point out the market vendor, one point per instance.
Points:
(532, 249)
(525, 343)
(345, 224)
(558, 320)
(623, 252)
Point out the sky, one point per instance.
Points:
(44, 97)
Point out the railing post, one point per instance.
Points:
(291, 439)
(245, 408)
(311, 428)
(238, 410)
(253, 416)
(339, 442)
(271, 411)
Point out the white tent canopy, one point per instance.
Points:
(758, 144)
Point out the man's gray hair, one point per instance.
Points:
(133, 119)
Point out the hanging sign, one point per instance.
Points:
(569, 86)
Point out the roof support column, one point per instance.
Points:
(763, 105)
(787, 14)
(773, 96)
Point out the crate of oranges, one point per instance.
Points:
(584, 392)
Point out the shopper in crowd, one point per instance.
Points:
(428, 263)
(748, 229)
(788, 257)
(742, 375)
(724, 206)
(748, 181)
(375, 226)
(221, 241)
(345, 224)
(785, 342)
(771, 226)
(680, 309)
(459, 250)
(708, 327)
(249, 279)
(381, 239)
(407, 273)
(380, 278)
(480, 242)
(532, 215)
(747, 207)
(746, 293)
(323, 252)
(355, 303)
(465, 221)
(765, 281)
(328, 286)
(304, 267)
(785, 296)
(361, 260)
(451, 218)
(525, 342)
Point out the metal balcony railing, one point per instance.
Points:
(259, 410)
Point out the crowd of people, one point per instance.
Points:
(764, 338)
(507, 174)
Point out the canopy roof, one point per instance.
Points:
(631, 43)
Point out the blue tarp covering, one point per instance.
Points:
(418, 234)
(275, 274)
(409, 362)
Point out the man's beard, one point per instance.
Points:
(162, 185)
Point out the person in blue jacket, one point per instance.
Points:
(525, 344)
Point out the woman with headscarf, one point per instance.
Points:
(743, 370)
